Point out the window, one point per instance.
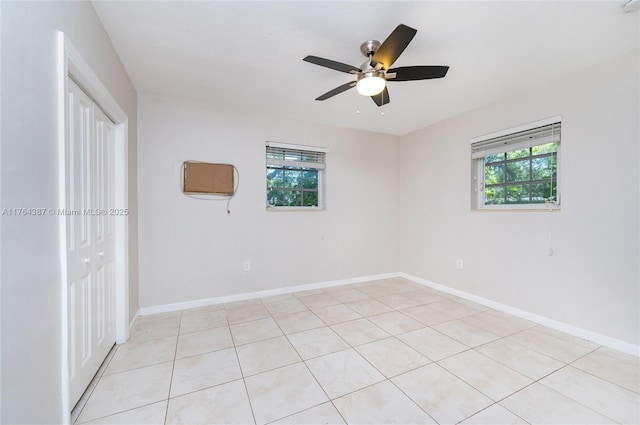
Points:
(295, 176)
(518, 168)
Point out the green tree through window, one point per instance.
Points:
(518, 167)
(523, 176)
(294, 177)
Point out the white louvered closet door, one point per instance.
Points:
(90, 238)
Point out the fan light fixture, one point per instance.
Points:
(373, 74)
(370, 83)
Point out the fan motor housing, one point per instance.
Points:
(368, 48)
(371, 73)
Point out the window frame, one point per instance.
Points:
(321, 169)
(478, 169)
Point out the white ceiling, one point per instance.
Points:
(247, 56)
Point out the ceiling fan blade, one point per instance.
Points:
(327, 63)
(337, 90)
(393, 46)
(381, 98)
(412, 73)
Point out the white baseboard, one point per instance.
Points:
(133, 321)
(604, 340)
(259, 294)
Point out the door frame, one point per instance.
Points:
(72, 64)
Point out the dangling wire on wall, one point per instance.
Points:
(210, 182)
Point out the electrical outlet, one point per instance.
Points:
(246, 266)
(459, 264)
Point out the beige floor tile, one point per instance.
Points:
(349, 295)
(492, 415)
(201, 342)
(207, 386)
(285, 307)
(132, 355)
(323, 414)
(155, 326)
(499, 323)
(446, 398)
(128, 390)
(319, 300)
(484, 374)
(383, 288)
(369, 307)
(242, 303)
(335, 288)
(565, 349)
(152, 414)
(197, 311)
(614, 366)
(336, 314)
(432, 344)
(246, 313)
(428, 315)
(283, 392)
(278, 298)
(298, 322)
(245, 333)
(309, 292)
(401, 300)
(604, 397)
(203, 371)
(468, 303)
(520, 358)
(426, 296)
(358, 332)
(317, 342)
(265, 355)
(199, 322)
(396, 323)
(456, 309)
(343, 372)
(467, 333)
(381, 403)
(375, 290)
(222, 404)
(538, 404)
(407, 285)
(577, 341)
(392, 357)
(360, 285)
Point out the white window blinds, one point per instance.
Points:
(541, 135)
(292, 157)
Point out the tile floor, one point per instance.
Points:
(389, 351)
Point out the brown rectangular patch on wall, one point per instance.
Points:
(203, 177)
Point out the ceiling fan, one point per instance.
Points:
(376, 71)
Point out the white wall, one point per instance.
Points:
(31, 338)
(191, 249)
(592, 280)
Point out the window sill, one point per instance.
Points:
(522, 208)
(296, 209)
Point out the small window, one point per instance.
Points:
(295, 176)
(518, 168)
